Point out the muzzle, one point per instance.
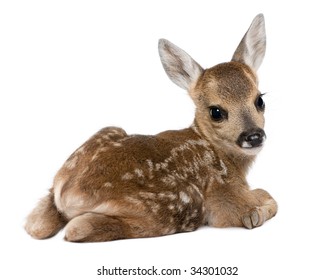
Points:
(253, 138)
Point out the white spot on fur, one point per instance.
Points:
(95, 156)
(180, 207)
(188, 227)
(200, 142)
(195, 214)
(169, 180)
(167, 231)
(155, 207)
(108, 185)
(208, 157)
(219, 179)
(98, 152)
(167, 195)
(106, 137)
(194, 189)
(171, 207)
(150, 201)
(133, 200)
(116, 131)
(71, 163)
(117, 144)
(184, 197)
(127, 176)
(139, 172)
(162, 165)
(224, 167)
(151, 168)
(147, 195)
(80, 150)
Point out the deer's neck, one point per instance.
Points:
(238, 162)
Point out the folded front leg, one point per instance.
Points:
(266, 209)
(239, 207)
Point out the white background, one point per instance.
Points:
(69, 68)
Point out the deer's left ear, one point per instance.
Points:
(251, 49)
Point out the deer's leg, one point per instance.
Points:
(96, 227)
(45, 220)
(240, 207)
(93, 227)
(265, 210)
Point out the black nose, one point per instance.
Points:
(252, 138)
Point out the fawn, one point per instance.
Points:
(118, 186)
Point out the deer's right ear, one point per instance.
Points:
(181, 68)
(251, 49)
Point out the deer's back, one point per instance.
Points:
(165, 176)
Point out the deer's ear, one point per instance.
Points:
(181, 68)
(251, 49)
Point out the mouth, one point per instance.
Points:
(252, 151)
(245, 150)
(253, 145)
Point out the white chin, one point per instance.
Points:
(252, 151)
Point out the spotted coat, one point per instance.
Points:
(119, 186)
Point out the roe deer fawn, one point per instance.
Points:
(118, 186)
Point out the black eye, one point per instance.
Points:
(260, 104)
(217, 114)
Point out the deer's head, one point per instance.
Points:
(229, 106)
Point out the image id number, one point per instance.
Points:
(208, 270)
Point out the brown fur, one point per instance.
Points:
(118, 186)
